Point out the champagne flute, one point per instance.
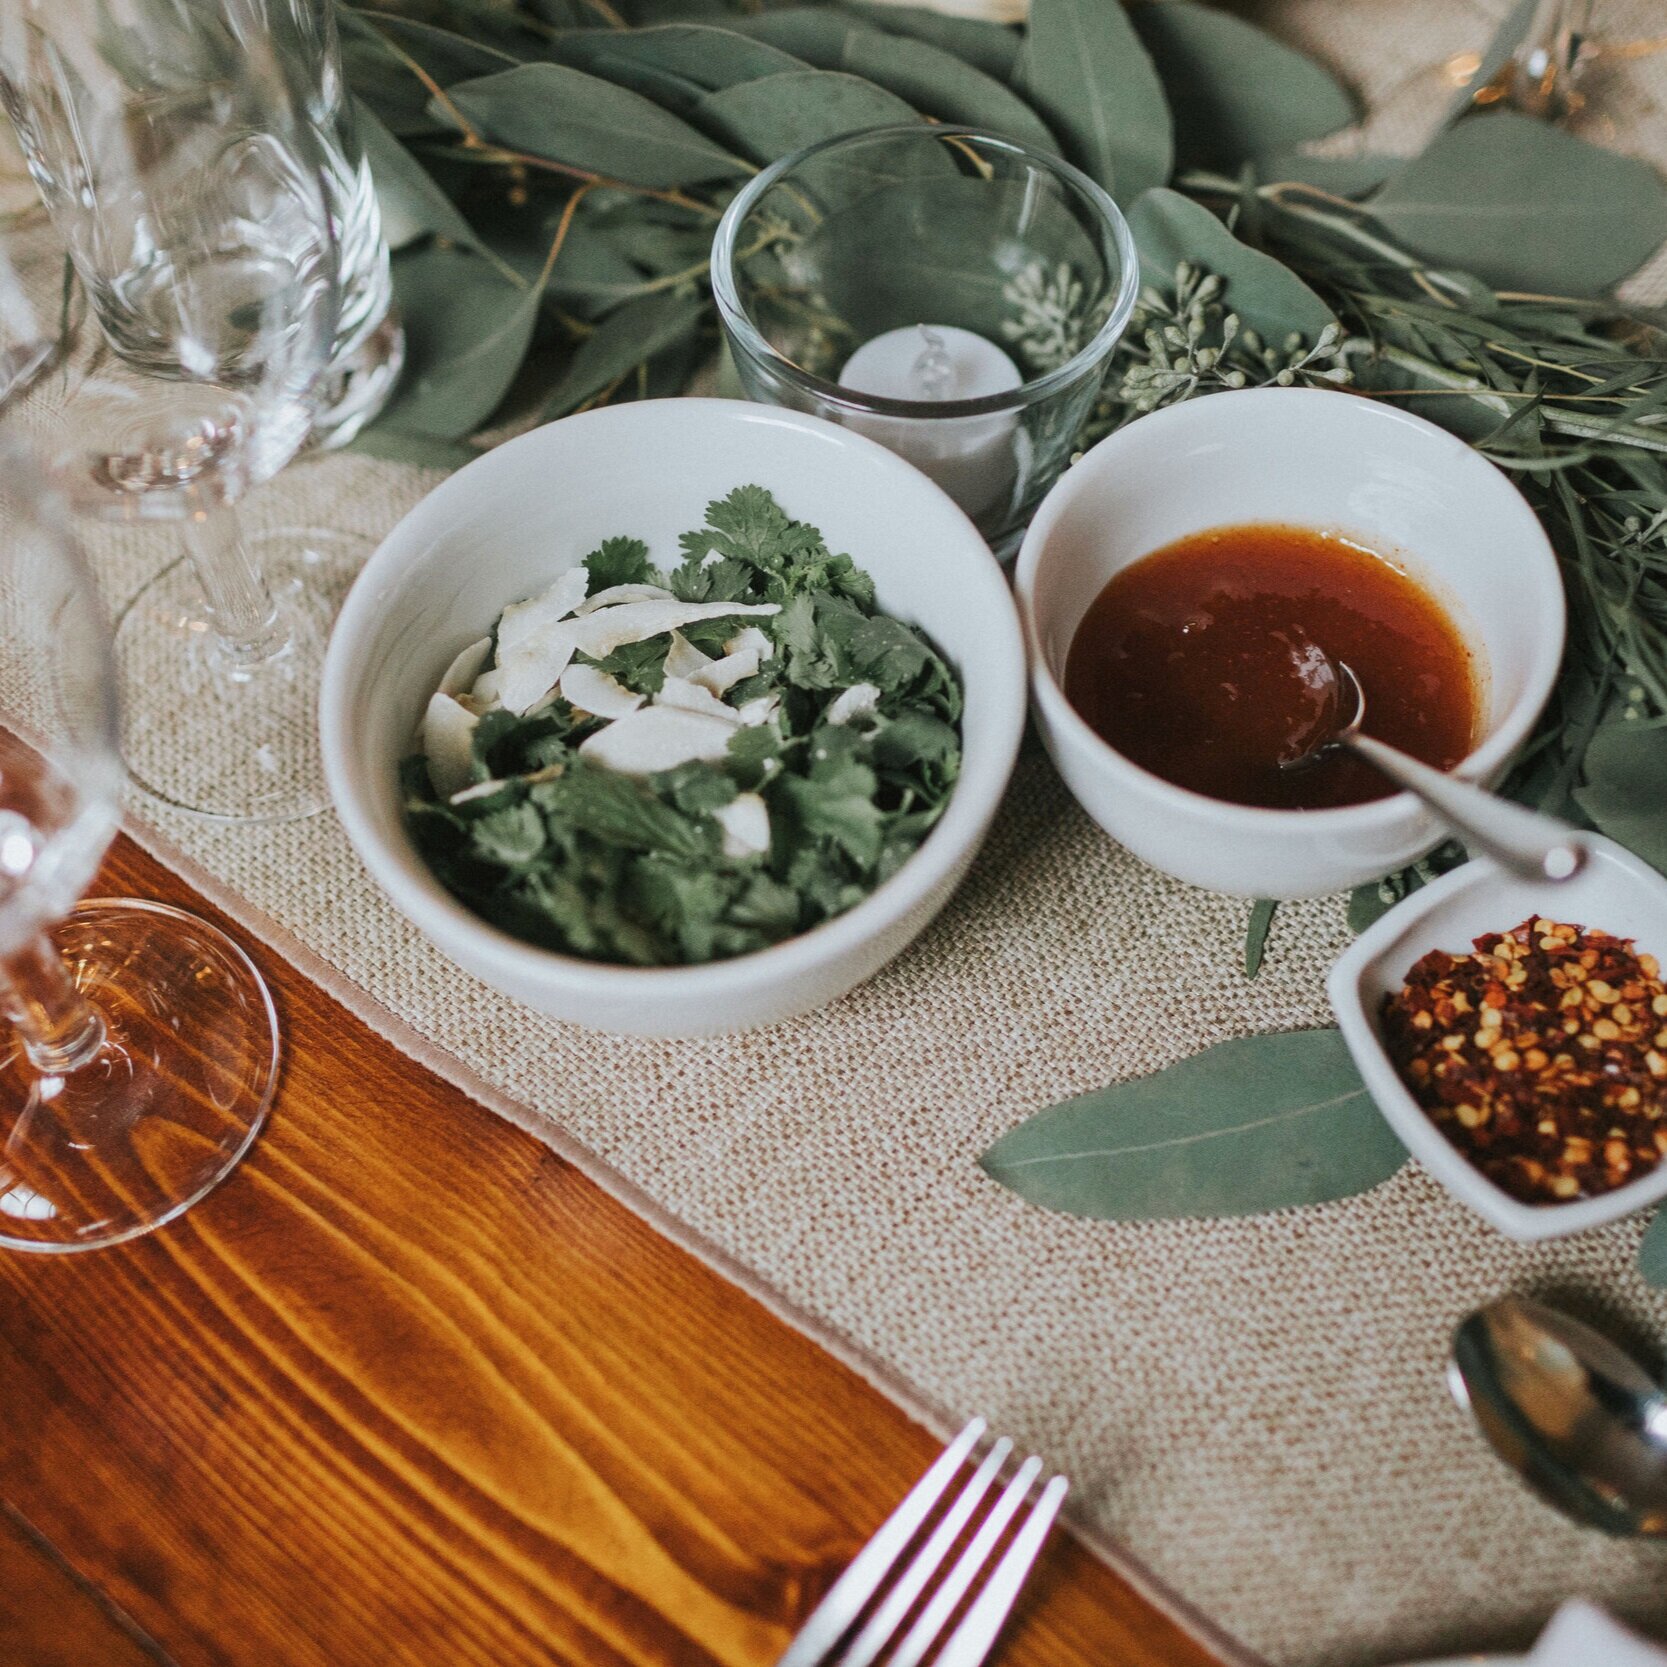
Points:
(172, 144)
(142, 1052)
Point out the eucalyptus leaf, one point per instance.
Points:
(815, 34)
(1525, 205)
(1266, 294)
(1256, 934)
(554, 111)
(443, 54)
(467, 329)
(1255, 1124)
(1625, 791)
(423, 450)
(412, 204)
(1234, 91)
(937, 83)
(1342, 176)
(675, 63)
(991, 47)
(1652, 1252)
(624, 340)
(1511, 33)
(1084, 69)
(783, 113)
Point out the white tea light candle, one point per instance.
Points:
(971, 458)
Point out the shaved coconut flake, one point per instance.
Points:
(601, 633)
(683, 659)
(448, 733)
(466, 667)
(615, 594)
(745, 821)
(859, 701)
(528, 672)
(727, 672)
(750, 637)
(689, 696)
(657, 738)
(481, 790)
(759, 710)
(596, 692)
(484, 696)
(522, 620)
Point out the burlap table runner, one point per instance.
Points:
(1253, 1410)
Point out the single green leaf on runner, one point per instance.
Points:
(1266, 294)
(782, 113)
(1235, 91)
(1256, 934)
(1084, 69)
(991, 47)
(1652, 1252)
(1625, 791)
(624, 339)
(1260, 1123)
(1525, 205)
(1510, 34)
(467, 329)
(412, 204)
(564, 115)
(676, 64)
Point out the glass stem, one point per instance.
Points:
(1544, 66)
(61, 1029)
(239, 605)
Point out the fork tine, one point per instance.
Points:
(972, 1640)
(900, 1599)
(838, 1611)
(935, 1616)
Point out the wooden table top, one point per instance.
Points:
(407, 1388)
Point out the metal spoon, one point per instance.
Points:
(1529, 845)
(1578, 1418)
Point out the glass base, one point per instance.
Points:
(167, 1106)
(357, 387)
(204, 734)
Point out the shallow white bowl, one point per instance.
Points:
(505, 525)
(1309, 458)
(1616, 892)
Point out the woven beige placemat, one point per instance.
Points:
(1255, 1409)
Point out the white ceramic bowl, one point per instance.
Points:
(1310, 458)
(505, 525)
(1616, 892)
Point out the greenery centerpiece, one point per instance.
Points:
(551, 172)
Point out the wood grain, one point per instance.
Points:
(409, 1389)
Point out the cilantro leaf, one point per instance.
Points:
(617, 561)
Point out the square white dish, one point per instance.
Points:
(1616, 892)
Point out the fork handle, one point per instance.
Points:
(1525, 842)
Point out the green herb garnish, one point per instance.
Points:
(843, 751)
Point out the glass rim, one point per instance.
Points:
(746, 336)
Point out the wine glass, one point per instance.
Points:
(142, 1053)
(177, 158)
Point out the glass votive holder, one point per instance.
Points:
(951, 294)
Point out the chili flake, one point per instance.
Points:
(1542, 1057)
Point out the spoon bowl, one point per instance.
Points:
(1575, 1416)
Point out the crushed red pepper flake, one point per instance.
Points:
(1542, 1057)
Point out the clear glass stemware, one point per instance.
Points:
(141, 1053)
(174, 148)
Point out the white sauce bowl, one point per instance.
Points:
(1309, 458)
(504, 526)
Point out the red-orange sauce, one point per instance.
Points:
(1188, 664)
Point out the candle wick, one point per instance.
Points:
(933, 373)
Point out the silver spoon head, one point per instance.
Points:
(1576, 1417)
(1340, 701)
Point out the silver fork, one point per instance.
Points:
(882, 1558)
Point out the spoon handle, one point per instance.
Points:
(1529, 845)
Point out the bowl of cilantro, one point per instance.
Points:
(677, 717)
